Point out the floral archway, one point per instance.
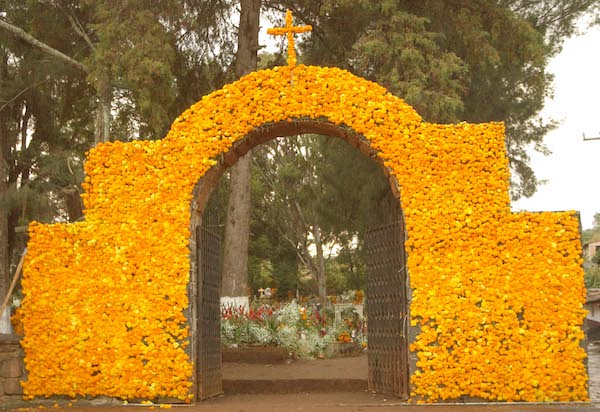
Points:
(497, 296)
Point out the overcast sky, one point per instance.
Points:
(573, 169)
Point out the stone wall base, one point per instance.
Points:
(12, 368)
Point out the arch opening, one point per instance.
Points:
(386, 374)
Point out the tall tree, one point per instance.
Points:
(312, 204)
(57, 55)
(4, 249)
(118, 46)
(40, 112)
(288, 170)
(237, 225)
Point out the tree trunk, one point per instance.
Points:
(104, 91)
(73, 204)
(316, 268)
(237, 232)
(320, 266)
(237, 225)
(4, 251)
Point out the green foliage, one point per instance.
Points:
(301, 330)
(593, 234)
(402, 55)
(596, 258)
(344, 199)
(334, 185)
(555, 19)
(352, 264)
(592, 276)
(355, 195)
(336, 278)
(47, 119)
(132, 47)
(260, 273)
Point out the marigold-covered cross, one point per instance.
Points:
(289, 30)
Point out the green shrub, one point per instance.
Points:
(592, 276)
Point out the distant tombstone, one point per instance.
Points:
(359, 308)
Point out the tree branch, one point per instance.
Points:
(299, 252)
(309, 262)
(7, 102)
(28, 38)
(80, 30)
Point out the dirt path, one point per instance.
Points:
(300, 376)
(337, 368)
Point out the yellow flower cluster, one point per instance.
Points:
(497, 296)
(103, 313)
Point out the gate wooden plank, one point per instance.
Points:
(387, 310)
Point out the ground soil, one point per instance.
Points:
(265, 355)
(298, 376)
(336, 368)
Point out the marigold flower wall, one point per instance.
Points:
(497, 295)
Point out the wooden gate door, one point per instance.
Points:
(209, 313)
(387, 310)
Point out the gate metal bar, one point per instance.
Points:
(209, 313)
(387, 310)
